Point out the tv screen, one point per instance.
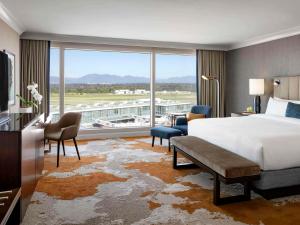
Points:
(3, 81)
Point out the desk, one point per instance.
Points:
(21, 156)
(10, 207)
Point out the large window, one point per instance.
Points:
(112, 87)
(175, 85)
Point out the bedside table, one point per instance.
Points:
(238, 114)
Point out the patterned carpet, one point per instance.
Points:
(126, 181)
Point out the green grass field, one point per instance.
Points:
(73, 99)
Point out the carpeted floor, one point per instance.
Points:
(126, 181)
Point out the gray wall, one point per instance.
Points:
(275, 58)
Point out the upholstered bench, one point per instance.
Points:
(224, 165)
(164, 133)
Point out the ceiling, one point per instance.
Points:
(213, 22)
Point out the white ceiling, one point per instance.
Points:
(214, 22)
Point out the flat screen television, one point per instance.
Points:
(3, 82)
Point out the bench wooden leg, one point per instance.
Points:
(217, 200)
(181, 165)
(153, 139)
(174, 158)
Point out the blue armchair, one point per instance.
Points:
(182, 123)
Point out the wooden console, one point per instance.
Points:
(21, 161)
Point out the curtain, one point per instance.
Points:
(211, 63)
(35, 58)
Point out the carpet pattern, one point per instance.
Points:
(126, 181)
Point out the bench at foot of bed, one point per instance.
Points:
(225, 166)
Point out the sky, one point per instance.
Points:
(79, 63)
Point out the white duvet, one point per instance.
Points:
(271, 141)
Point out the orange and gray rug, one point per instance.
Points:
(126, 181)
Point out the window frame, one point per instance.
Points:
(62, 46)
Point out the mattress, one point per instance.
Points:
(273, 142)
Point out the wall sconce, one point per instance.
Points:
(276, 82)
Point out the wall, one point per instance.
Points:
(10, 41)
(276, 58)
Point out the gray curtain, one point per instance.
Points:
(211, 63)
(35, 57)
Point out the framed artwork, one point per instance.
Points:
(11, 78)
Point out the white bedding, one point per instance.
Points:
(271, 141)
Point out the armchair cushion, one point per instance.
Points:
(191, 116)
(165, 132)
(66, 128)
(182, 128)
(197, 111)
(69, 132)
(53, 135)
(181, 121)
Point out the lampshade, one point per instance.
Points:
(256, 86)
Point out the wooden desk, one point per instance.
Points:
(10, 207)
(21, 156)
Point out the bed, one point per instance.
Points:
(273, 142)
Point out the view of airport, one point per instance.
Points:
(110, 107)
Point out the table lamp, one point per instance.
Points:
(257, 88)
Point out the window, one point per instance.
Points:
(175, 85)
(112, 86)
(111, 89)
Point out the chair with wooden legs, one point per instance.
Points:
(65, 129)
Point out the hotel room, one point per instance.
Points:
(149, 112)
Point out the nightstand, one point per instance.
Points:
(238, 114)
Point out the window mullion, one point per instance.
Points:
(62, 80)
(152, 87)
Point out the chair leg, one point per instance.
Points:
(58, 145)
(169, 142)
(153, 138)
(63, 145)
(75, 143)
(46, 141)
(160, 141)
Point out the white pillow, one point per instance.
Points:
(276, 107)
(286, 100)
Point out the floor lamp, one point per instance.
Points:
(208, 78)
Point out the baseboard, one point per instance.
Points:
(103, 135)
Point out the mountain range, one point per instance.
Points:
(116, 79)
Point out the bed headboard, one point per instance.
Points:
(289, 87)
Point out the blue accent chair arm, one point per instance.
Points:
(181, 121)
